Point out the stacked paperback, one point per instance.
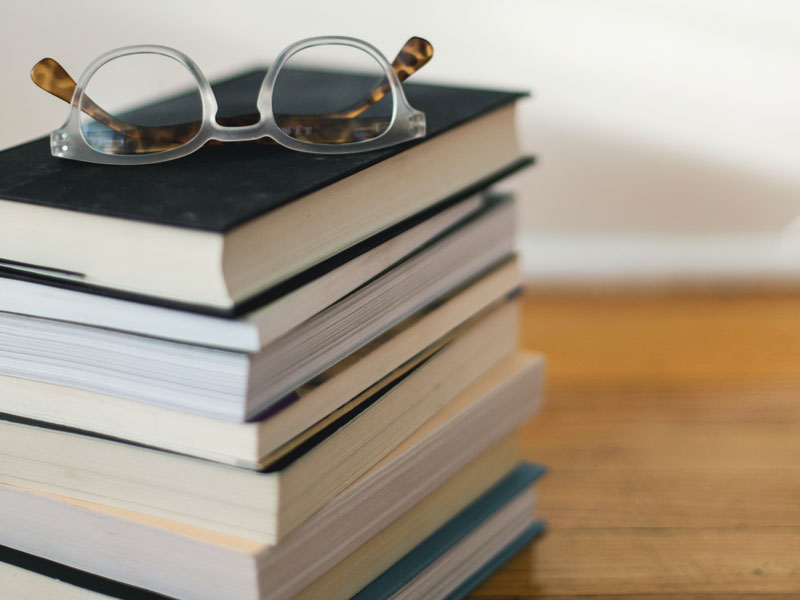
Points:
(259, 374)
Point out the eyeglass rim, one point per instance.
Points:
(407, 123)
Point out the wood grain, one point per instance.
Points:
(671, 426)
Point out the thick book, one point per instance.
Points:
(225, 224)
(438, 398)
(478, 313)
(262, 320)
(239, 385)
(350, 521)
(448, 564)
(188, 562)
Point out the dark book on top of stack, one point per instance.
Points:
(214, 230)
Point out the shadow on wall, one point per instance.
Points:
(587, 183)
(596, 206)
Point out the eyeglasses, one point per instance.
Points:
(303, 109)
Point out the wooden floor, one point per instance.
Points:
(671, 427)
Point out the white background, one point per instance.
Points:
(667, 131)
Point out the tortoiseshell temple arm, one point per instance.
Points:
(414, 55)
(49, 75)
(53, 78)
(338, 127)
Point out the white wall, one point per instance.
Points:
(668, 131)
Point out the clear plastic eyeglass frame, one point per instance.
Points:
(406, 123)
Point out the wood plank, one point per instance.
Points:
(644, 561)
(726, 596)
(595, 338)
(609, 444)
(684, 498)
(775, 402)
(709, 596)
(671, 426)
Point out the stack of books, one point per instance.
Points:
(258, 374)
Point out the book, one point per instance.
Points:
(481, 308)
(447, 564)
(216, 228)
(262, 320)
(265, 505)
(188, 562)
(240, 385)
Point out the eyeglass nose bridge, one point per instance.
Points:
(238, 133)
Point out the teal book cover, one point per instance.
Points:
(451, 533)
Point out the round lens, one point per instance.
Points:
(140, 104)
(332, 94)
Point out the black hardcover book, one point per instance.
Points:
(226, 223)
